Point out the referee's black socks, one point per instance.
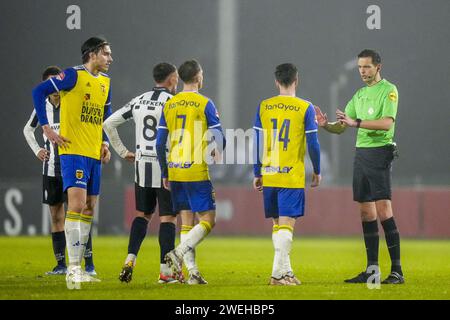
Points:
(137, 234)
(372, 240)
(393, 243)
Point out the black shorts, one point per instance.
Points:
(52, 190)
(372, 173)
(146, 200)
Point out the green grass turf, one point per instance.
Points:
(236, 268)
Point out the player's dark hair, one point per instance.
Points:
(162, 70)
(376, 58)
(189, 70)
(94, 44)
(286, 74)
(50, 71)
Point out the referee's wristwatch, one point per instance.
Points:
(358, 122)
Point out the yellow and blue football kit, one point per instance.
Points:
(85, 103)
(283, 125)
(186, 118)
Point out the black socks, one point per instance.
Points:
(166, 238)
(393, 243)
(89, 261)
(372, 240)
(137, 234)
(59, 247)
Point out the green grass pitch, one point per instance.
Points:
(236, 268)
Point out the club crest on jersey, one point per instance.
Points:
(87, 96)
(79, 174)
(102, 87)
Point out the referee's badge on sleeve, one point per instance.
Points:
(393, 96)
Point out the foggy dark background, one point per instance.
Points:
(320, 37)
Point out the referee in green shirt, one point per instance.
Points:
(372, 110)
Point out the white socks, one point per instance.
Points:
(276, 267)
(285, 241)
(131, 257)
(189, 256)
(194, 237)
(77, 227)
(164, 269)
(282, 243)
(72, 232)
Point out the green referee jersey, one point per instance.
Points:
(373, 103)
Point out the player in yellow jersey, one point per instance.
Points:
(53, 194)
(186, 118)
(85, 102)
(284, 126)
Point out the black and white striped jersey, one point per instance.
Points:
(51, 167)
(146, 111)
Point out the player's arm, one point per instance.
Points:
(213, 123)
(313, 144)
(161, 141)
(110, 128)
(336, 127)
(258, 145)
(64, 81)
(107, 113)
(105, 154)
(28, 131)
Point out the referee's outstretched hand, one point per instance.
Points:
(345, 119)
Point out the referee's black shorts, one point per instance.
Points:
(146, 198)
(52, 190)
(372, 173)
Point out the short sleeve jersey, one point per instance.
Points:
(373, 103)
